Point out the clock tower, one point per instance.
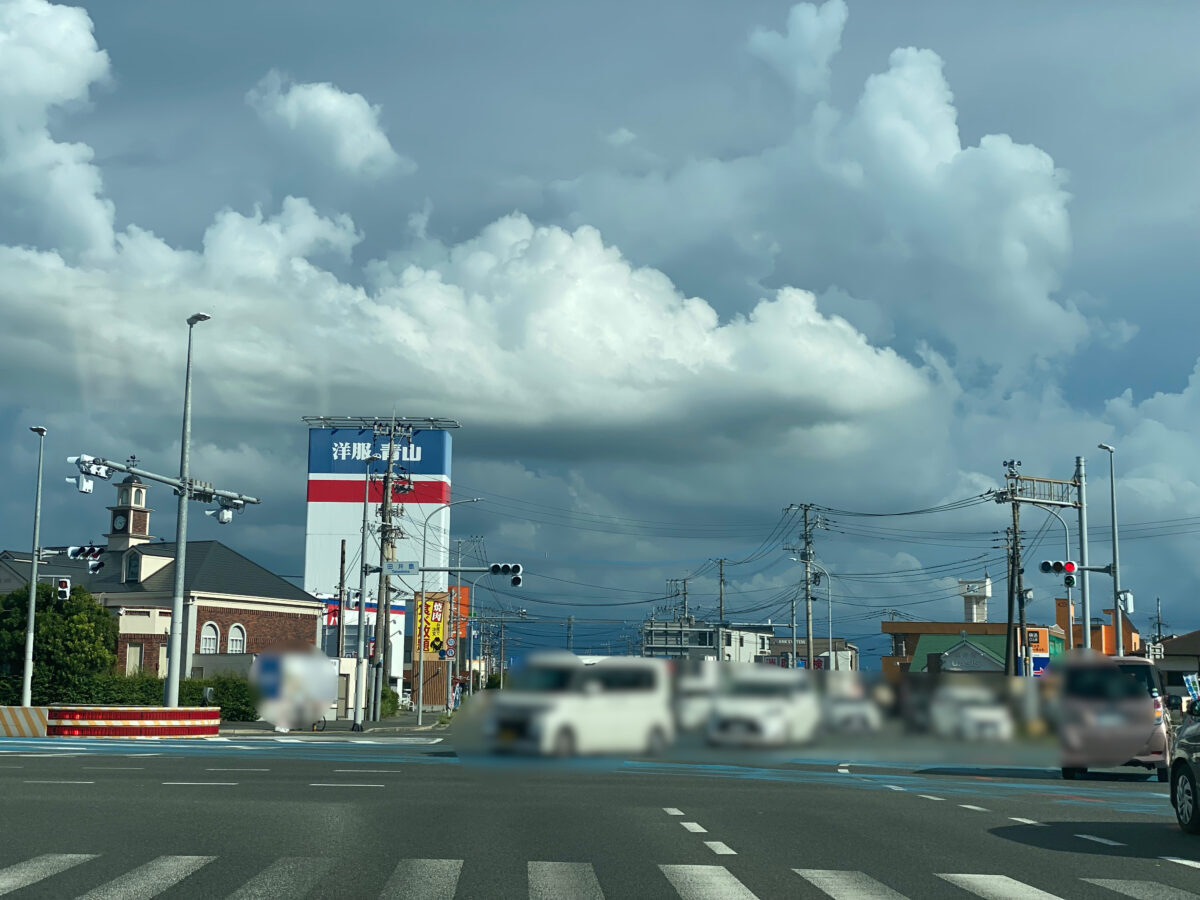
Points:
(130, 523)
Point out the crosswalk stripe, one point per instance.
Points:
(706, 883)
(555, 880)
(149, 880)
(23, 874)
(423, 879)
(1142, 890)
(842, 885)
(997, 887)
(291, 876)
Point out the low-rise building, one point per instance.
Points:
(686, 638)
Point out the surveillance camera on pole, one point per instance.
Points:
(511, 569)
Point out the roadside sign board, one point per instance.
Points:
(448, 654)
(404, 567)
(451, 641)
(442, 654)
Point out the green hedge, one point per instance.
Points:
(234, 695)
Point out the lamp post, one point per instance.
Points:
(418, 637)
(1116, 560)
(1067, 545)
(360, 668)
(829, 602)
(27, 676)
(471, 640)
(175, 647)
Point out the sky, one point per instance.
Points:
(672, 271)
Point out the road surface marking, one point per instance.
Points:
(290, 876)
(671, 811)
(997, 887)
(1100, 840)
(343, 784)
(555, 880)
(694, 827)
(1182, 862)
(894, 787)
(60, 782)
(237, 770)
(34, 870)
(289, 740)
(848, 885)
(930, 797)
(1024, 821)
(362, 741)
(372, 771)
(18, 767)
(117, 768)
(202, 783)
(423, 879)
(1143, 890)
(843, 771)
(217, 739)
(149, 880)
(706, 883)
(976, 808)
(720, 848)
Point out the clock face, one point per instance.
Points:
(119, 523)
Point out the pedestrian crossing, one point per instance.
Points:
(51, 874)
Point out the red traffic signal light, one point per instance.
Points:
(63, 588)
(1069, 567)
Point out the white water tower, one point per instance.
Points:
(975, 594)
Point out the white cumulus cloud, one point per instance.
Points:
(340, 128)
(801, 56)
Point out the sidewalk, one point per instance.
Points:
(401, 723)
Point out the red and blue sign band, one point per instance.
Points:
(351, 491)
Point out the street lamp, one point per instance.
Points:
(27, 676)
(1116, 560)
(829, 601)
(418, 641)
(174, 651)
(360, 668)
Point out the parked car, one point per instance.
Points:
(764, 706)
(1112, 712)
(1185, 770)
(557, 706)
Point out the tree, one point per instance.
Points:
(72, 640)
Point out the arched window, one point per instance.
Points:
(133, 564)
(139, 498)
(210, 638)
(237, 639)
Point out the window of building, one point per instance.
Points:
(210, 638)
(139, 498)
(133, 566)
(237, 639)
(134, 658)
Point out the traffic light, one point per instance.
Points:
(1066, 568)
(91, 553)
(62, 587)
(511, 569)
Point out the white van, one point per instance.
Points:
(557, 706)
(764, 706)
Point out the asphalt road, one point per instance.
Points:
(405, 817)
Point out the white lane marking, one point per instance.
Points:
(290, 876)
(720, 848)
(694, 827)
(671, 811)
(203, 783)
(930, 797)
(1026, 821)
(1142, 890)
(706, 883)
(343, 784)
(976, 808)
(237, 770)
(1182, 862)
(60, 782)
(117, 768)
(23, 874)
(362, 741)
(843, 771)
(848, 885)
(289, 740)
(423, 879)
(997, 887)
(555, 880)
(1100, 840)
(215, 738)
(894, 787)
(371, 771)
(149, 880)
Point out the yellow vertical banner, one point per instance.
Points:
(432, 612)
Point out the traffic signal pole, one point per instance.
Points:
(27, 674)
(1086, 612)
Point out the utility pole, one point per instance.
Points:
(341, 639)
(720, 647)
(570, 634)
(383, 608)
(502, 657)
(806, 557)
(1019, 590)
(452, 668)
(27, 673)
(1081, 489)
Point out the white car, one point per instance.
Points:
(557, 706)
(969, 712)
(696, 685)
(764, 706)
